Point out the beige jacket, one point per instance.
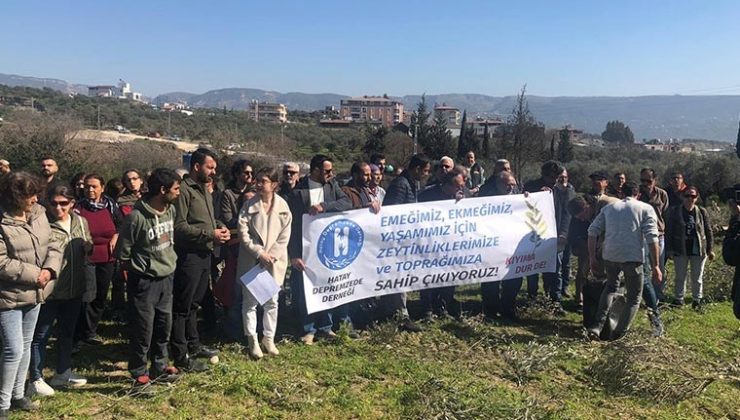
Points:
(26, 248)
(260, 231)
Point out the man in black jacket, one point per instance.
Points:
(404, 189)
(499, 297)
(451, 186)
(196, 231)
(316, 193)
(550, 171)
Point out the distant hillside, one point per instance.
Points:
(239, 98)
(40, 83)
(702, 117)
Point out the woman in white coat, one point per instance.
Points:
(264, 231)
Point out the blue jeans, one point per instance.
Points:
(65, 313)
(565, 269)
(499, 297)
(553, 282)
(651, 292)
(318, 321)
(16, 331)
(658, 288)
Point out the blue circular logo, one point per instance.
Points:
(340, 243)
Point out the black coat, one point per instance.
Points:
(335, 200)
(402, 190)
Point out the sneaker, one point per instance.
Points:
(76, 347)
(408, 325)
(308, 339)
(558, 309)
(268, 343)
(24, 404)
(678, 302)
(593, 334)
(696, 304)
(169, 375)
(67, 379)
(429, 317)
(205, 353)
(142, 381)
(93, 341)
(327, 335)
(192, 366)
(39, 387)
(657, 324)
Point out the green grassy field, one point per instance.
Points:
(539, 368)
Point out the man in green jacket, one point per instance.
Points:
(196, 232)
(146, 250)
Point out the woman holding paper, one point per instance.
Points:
(264, 231)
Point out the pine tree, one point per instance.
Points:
(420, 122)
(375, 139)
(463, 145)
(439, 142)
(565, 146)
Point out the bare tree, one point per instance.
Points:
(524, 138)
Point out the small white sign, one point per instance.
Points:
(260, 284)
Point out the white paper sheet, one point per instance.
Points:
(260, 284)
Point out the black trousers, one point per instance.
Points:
(189, 287)
(92, 311)
(149, 321)
(499, 297)
(118, 293)
(437, 300)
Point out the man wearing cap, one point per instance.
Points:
(4, 167)
(599, 183)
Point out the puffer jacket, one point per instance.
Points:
(26, 247)
(71, 281)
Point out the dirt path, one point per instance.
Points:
(110, 136)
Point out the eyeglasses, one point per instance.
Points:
(247, 173)
(328, 171)
(55, 204)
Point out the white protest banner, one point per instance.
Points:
(356, 254)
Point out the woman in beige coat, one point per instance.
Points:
(29, 263)
(264, 231)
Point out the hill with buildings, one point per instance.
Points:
(697, 117)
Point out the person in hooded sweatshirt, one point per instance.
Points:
(146, 250)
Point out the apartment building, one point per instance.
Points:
(269, 112)
(372, 109)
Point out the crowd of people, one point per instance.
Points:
(168, 246)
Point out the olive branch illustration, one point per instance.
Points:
(535, 222)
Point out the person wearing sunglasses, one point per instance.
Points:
(71, 232)
(132, 180)
(291, 173)
(689, 242)
(676, 188)
(240, 189)
(316, 193)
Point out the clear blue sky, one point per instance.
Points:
(568, 48)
